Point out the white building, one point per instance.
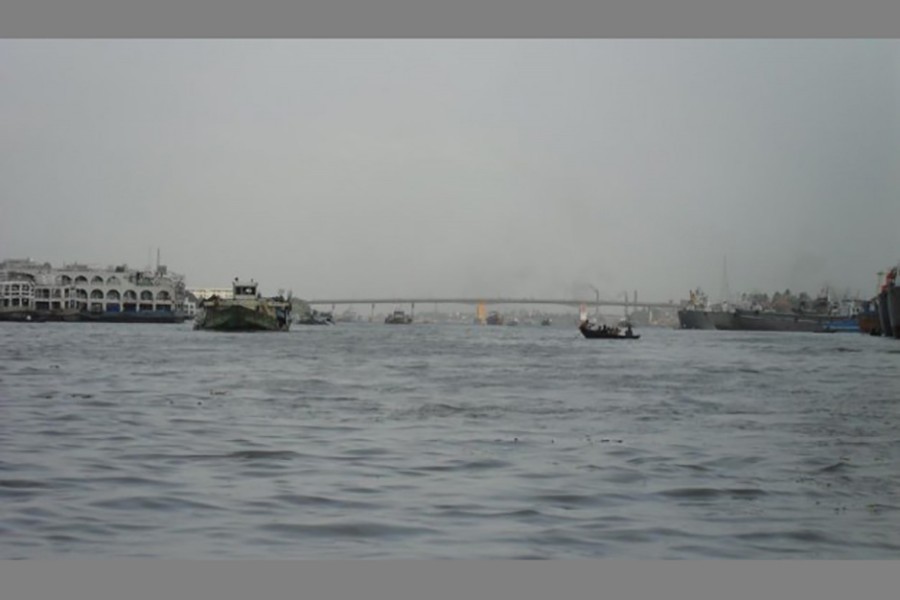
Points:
(41, 287)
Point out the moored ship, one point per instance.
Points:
(697, 313)
(761, 320)
(889, 304)
(246, 310)
(868, 321)
(781, 312)
(824, 316)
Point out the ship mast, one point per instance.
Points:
(725, 291)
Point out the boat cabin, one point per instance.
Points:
(245, 290)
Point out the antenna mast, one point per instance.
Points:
(725, 292)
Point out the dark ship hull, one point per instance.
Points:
(884, 313)
(155, 316)
(751, 320)
(235, 317)
(694, 319)
(893, 306)
(591, 332)
(76, 316)
(722, 320)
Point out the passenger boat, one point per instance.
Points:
(594, 331)
(246, 311)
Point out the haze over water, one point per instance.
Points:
(458, 168)
(376, 441)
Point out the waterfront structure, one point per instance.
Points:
(32, 290)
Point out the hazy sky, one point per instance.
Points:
(473, 167)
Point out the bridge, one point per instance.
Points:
(471, 300)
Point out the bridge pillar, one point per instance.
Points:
(372, 314)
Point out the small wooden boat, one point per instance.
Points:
(592, 331)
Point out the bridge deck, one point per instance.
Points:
(555, 301)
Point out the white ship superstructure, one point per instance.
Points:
(202, 293)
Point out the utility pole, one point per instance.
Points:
(597, 296)
(725, 292)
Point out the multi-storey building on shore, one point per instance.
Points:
(31, 290)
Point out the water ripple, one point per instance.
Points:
(446, 441)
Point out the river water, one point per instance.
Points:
(446, 441)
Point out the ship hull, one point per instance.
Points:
(843, 325)
(695, 319)
(722, 320)
(893, 310)
(239, 318)
(161, 316)
(398, 320)
(76, 316)
(884, 318)
(762, 321)
(870, 323)
(38, 316)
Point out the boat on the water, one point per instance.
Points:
(593, 331)
(245, 311)
(494, 318)
(822, 315)
(314, 317)
(697, 313)
(398, 317)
